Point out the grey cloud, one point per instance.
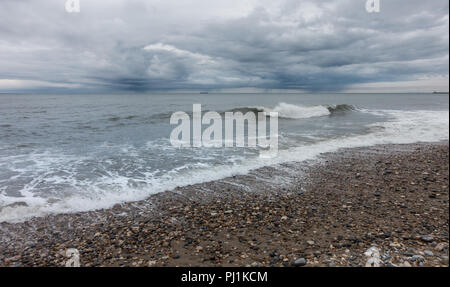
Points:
(139, 45)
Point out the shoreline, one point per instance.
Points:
(327, 212)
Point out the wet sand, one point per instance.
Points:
(327, 212)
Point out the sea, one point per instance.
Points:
(73, 153)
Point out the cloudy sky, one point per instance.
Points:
(224, 45)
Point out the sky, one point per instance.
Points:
(223, 46)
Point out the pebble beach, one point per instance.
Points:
(386, 205)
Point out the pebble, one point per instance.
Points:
(440, 247)
(418, 258)
(428, 253)
(299, 262)
(405, 264)
(427, 238)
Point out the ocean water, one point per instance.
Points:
(68, 153)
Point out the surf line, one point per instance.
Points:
(212, 136)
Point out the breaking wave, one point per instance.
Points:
(284, 110)
(290, 111)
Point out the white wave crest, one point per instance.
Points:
(290, 111)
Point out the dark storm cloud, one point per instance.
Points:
(135, 45)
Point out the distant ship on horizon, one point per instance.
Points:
(436, 92)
